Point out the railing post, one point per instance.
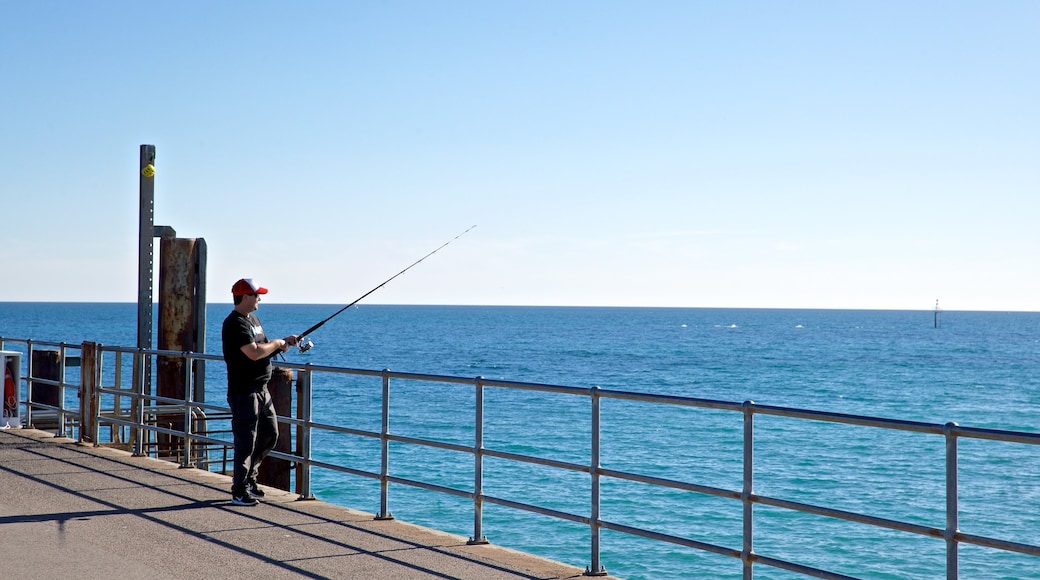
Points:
(748, 547)
(594, 527)
(303, 434)
(99, 371)
(84, 394)
(189, 396)
(29, 382)
(384, 470)
(61, 391)
(950, 534)
(137, 407)
(117, 403)
(478, 465)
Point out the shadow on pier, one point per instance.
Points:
(69, 510)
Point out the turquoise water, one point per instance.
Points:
(979, 369)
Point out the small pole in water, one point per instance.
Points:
(936, 313)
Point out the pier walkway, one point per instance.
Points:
(77, 511)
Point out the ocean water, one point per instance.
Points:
(978, 369)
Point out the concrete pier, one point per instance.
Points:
(77, 511)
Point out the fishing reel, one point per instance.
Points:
(304, 344)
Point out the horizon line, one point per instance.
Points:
(931, 309)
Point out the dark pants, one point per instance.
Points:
(255, 429)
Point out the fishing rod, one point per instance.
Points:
(304, 345)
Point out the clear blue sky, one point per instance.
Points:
(802, 154)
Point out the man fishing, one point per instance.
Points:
(248, 354)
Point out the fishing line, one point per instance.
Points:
(304, 345)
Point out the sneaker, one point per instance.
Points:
(254, 490)
(244, 499)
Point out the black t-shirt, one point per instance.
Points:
(244, 374)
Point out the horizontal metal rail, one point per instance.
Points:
(677, 540)
(847, 516)
(671, 483)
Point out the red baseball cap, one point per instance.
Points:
(247, 286)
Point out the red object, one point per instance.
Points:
(247, 286)
(10, 390)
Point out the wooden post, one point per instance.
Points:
(273, 471)
(177, 284)
(88, 393)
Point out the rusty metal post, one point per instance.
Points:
(177, 329)
(274, 471)
(177, 283)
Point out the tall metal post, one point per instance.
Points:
(145, 254)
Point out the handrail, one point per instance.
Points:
(144, 405)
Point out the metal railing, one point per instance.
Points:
(139, 418)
